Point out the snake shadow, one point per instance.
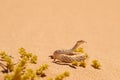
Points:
(62, 63)
(70, 65)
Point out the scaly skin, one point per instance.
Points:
(69, 56)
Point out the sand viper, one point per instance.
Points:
(69, 56)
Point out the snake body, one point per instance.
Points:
(69, 56)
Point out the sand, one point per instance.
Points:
(43, 26)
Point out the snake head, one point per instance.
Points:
(81, 41)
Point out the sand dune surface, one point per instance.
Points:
(43, 26)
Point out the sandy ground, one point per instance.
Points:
(42, 26)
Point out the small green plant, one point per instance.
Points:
(96, 64)
(87, 56)
(9, 62)
(23, 54)
(3, 54)
(50, 79)
(75, 63)
(33, 59)
(62, 76)
(42, 68)
(80, 49)
(83, 64)
(29, 74)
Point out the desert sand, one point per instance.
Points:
(43, 26)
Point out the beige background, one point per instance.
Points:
(42, 26)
